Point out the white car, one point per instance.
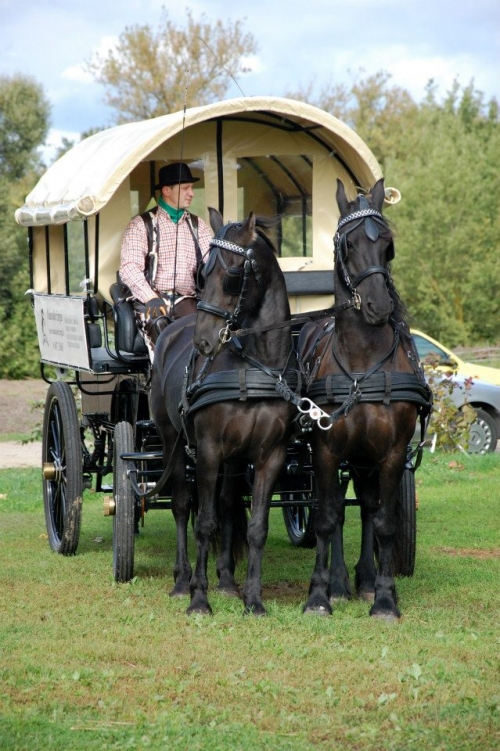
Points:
(483, 395)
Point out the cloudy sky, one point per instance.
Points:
(299, 42)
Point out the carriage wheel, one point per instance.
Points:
(62, 469)
(406, 536)
(124, 516)
(299, 522)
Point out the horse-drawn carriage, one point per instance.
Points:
(275, 157)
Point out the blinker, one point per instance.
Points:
(233, 279)
(371, 229)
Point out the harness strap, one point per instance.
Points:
(240, 385)
(378, 387)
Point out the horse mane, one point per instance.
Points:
(400, 313)
(263, 226)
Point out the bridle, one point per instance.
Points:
(371, 221)
(236, 279)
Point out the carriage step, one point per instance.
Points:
(142, 456)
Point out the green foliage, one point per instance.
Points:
(449, 427)
(152, 71)
(443, 157)
(24, 121)
(24, 116)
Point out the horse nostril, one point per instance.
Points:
(204, 347)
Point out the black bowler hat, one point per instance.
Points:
(175, 174)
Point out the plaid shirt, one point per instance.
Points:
(176, 256)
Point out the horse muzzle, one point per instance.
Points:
(377, 315)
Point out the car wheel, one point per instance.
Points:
(483, 433)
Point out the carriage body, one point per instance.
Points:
(275, 156)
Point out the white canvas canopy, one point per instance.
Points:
(268, 154)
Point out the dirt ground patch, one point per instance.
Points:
(16, 405)
(17, 415)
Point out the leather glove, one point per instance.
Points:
(155, 308)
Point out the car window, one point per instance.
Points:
(425, 348)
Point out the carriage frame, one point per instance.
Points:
(274, 156)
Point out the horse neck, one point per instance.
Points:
(273, 346)
(358, 344)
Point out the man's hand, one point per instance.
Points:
(155, 308)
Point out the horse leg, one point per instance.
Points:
(340, 587)
(233, 531)
(327, 518)
(264, 478)
(366, 486)
(206, 525)
(384, 525)
(181, 508)
(181, 504)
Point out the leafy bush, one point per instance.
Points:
(449, 426)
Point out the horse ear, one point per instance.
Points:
(216, 221)
(249, 227)
(342, 201)
(378, 194)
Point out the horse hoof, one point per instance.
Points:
(334, 599)
(256, 610)
(386, 616)
(199, 610)
(318, 610)
(179, 590)
(367, 597)
(229, 591)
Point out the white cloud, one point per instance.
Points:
(78, 72)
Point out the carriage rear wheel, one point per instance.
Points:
(124, 516)
(299, 522)
(62, 469)
(406, 537)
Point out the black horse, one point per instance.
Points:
(222, 398)
(362, 362)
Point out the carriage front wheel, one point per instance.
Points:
(62, 469)
(406, 537)
(124, 514)
(299, 521)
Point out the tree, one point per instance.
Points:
(443, 157)
(24, 120)
(371, 107)
(151, 72)
(448, 226)
(24, 124)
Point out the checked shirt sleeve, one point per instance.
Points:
(134, 250)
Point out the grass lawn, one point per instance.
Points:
(89, 664)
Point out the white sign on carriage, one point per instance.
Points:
(61, 330)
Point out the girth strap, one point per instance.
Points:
(239, 385)
(382, 386)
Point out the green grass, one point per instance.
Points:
(89, 664)
(17, 437)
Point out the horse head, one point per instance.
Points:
(363, 250)
(234, 280)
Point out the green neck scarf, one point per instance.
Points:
(174, 214)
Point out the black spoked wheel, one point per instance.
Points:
(62, 469)
(299, 522)
(124, 516)
(406, 535)
(483, 435)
